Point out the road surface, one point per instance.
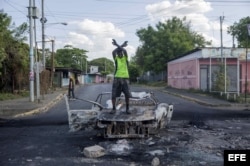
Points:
(197, 135)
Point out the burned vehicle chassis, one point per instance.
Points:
(147, 117)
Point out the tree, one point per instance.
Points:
(134, 72)
(17, 65)
(240, 32)
(164, 42)
(71, 57)
(5, 34)
(105, 65)
(219, 79)
(13, 55)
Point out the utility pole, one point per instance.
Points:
(105, 65)
(31, 52)
(43, 21)
(233, 42)
(225, 59)
(52, 63)
(86, 66)
(248, 30)
(246, 74)
(221, 40)
(37, 64)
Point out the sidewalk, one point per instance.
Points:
(203, 99)
(23, 106)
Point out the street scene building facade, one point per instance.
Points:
(198, 69)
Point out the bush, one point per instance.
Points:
(10, 96)
(158, 84)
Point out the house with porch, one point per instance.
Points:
(62, 75)
(94, 76)
(198, 69)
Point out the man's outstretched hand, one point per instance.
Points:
(114, 42)
(123, 45)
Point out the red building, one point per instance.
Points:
(199, 68)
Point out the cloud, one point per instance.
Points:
(178, 8)
(95, 37)
(98, 28)
(80, 39)
(194, 10)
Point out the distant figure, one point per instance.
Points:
(71, 88)
(121, 76)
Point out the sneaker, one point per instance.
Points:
(112, 111)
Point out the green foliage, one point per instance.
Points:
(5, 34)
(240, 32)
(168, 40)
(219, 84)
(105, 66)
(9, 96)
(20, 31)
(157, 84)
(71, 57)
(14, 53)
(133, 72)
(138, 60)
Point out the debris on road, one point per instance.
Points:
(94, 151)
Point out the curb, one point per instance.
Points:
(41, 109)
(198, 101)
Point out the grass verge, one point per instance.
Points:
(10, 96)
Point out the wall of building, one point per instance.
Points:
(245, 76)
(196, 70)
(210, 67)
(183, 74)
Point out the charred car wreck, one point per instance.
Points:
(147, 117)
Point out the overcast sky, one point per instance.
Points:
(92, 24)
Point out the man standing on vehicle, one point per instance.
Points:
(121, 76)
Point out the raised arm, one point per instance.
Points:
(124, 44)
(114, 43)
(125, 52)
(114, 53)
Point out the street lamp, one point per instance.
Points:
(43, 21)
(52, 56)
(63, 23)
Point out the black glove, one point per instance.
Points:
(124, 44)
(114, 42)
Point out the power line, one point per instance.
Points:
(14, 7)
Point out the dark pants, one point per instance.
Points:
(120, 85)
(71, 93)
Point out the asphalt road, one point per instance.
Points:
(45, 139)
